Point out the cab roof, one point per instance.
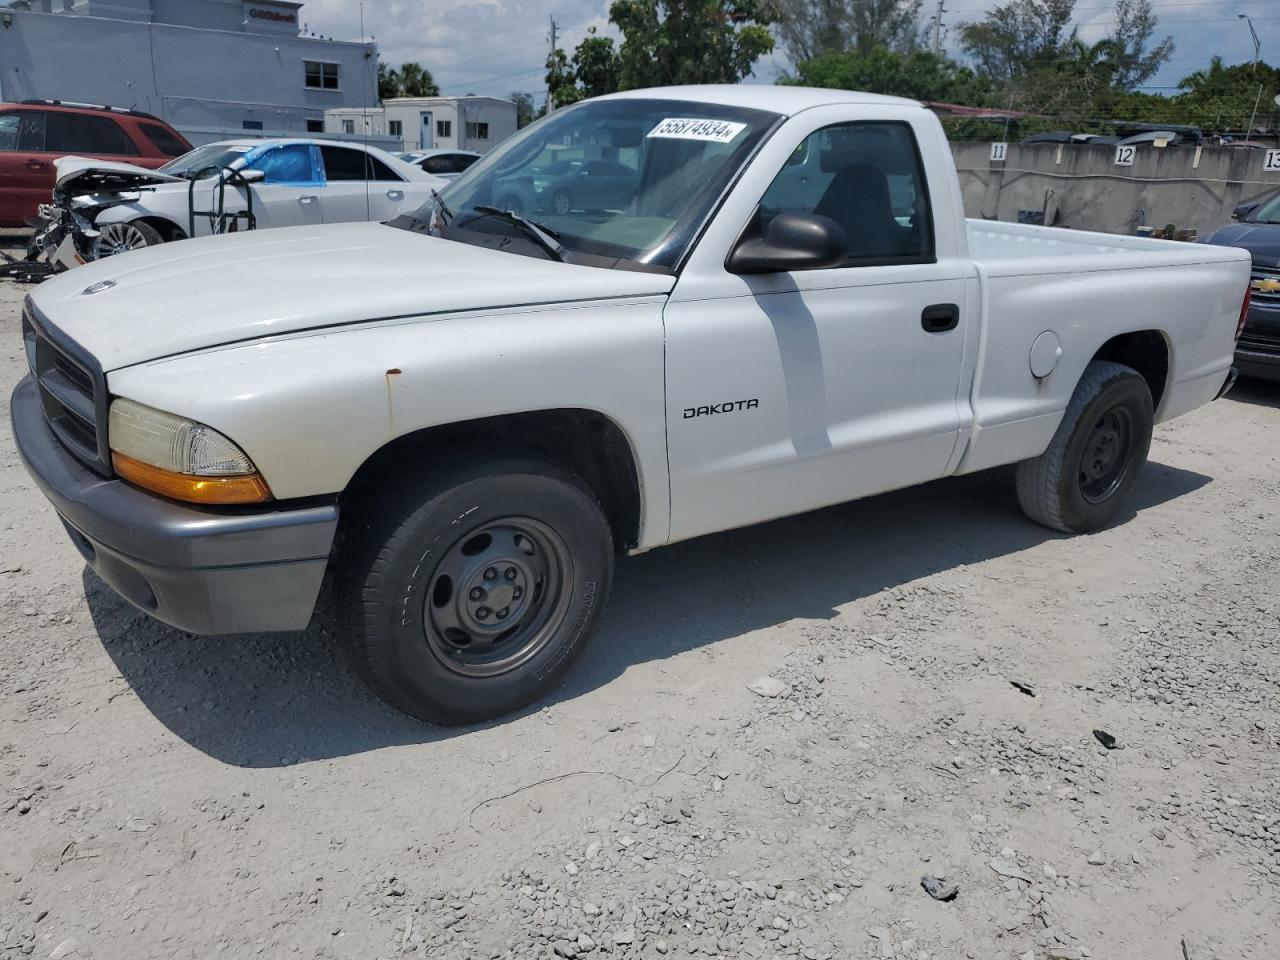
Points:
(785, 100)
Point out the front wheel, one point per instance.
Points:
(561, 203)
(1080, 483)
(122, 237)
(468, 596)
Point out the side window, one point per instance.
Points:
(22, 130)
(164, 140)
(868, 178)
(380, 171)
(343, 163)
(82, 133)
(291, 163)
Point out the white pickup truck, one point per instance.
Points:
(464, 414)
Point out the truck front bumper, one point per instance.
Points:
(204, 571)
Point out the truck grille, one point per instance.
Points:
(1264, 274)
(73, 390)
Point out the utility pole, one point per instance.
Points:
(937, 28)
(554, 37)
(1257, 44)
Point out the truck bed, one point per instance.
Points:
(1086, 289)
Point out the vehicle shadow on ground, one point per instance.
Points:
(261, 701)
(1264, 393)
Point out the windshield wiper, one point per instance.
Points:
(548, 240)
(445, 213)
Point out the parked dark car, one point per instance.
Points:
(1258, 230)
(34, 133)
(594, 185)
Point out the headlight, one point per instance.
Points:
(180, 458)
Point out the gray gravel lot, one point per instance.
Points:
(941, 665)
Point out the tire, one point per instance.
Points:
(117, 238)
(409, 584)
(561, 203)
(1079, 483)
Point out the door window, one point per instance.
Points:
(869, 179)
(164, 140)
(82, 133)
(22, 130)
(448, 163)
(343, 163)
(293, 163)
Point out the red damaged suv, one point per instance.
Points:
(34, 133)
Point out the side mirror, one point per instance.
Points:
(1242, 211)
(791, 241)
(251, 175)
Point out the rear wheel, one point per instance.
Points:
(511, 202)
(1079, 484)
(561, 203)
(122, 237)
(468, 596)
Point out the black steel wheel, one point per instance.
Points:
(1080, 482)
(469, 595)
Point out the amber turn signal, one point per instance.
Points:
(250, 488)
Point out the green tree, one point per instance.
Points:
(812, 28)
(921, 75)
(1224, 98)
(1018, 36)
(388, 82)
(1135, 63)
(524, 109)
(415, 80)
(689, 41)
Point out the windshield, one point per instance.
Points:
(617, 182)
(201, 158)
(1268, 212)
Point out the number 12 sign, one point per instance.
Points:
(1125, 156)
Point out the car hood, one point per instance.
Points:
(212, 291)
(1262, 240)
(83, 175)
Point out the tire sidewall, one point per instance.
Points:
(414, 669)
(1130, 392)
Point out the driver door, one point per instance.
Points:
(795, 390)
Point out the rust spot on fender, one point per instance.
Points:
(390, 380)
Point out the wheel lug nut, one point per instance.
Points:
(502, 614)
(483, 613)
(511, 573)
(517, 593)
(491, 574)
(476, 593)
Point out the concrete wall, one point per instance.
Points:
(190, 77)
(1081, 187)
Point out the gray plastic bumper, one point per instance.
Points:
(204, 571)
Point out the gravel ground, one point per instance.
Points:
(931, 669)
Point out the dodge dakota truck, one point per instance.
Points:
(461, 416)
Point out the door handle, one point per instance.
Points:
(940, 317)
(395, 194)
(36, 164)
(306, 200)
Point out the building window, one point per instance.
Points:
(251, 124)
(315, 126)
(348, 126)
(477, 131)
(395, 128)
(444, 128)
(320, 75)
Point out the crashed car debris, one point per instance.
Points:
(103, 208)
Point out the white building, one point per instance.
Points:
(425, 123)
(209, 67)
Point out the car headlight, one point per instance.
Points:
(179, 458)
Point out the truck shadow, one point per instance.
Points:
(1263, 393)
(268, 701)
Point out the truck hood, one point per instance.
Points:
(207, 292)
(82, 175)
(1262, 240)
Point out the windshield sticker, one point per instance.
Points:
(691, 128)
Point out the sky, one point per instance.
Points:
(496, 47)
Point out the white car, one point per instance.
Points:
(442, 163)
(464, 415)
(101, 208)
